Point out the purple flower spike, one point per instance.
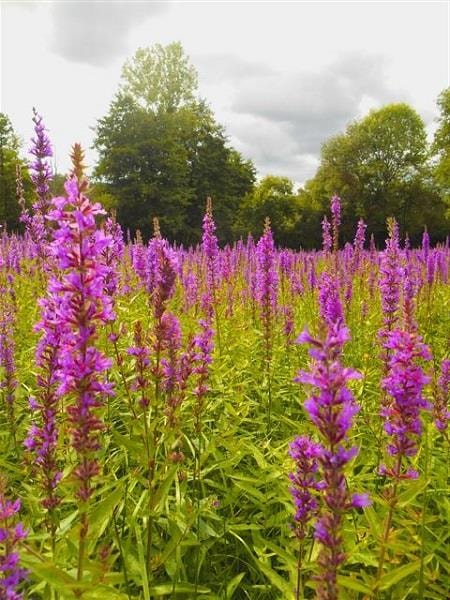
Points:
(404, 384)
(266, 280)
(211, 253)
(331, 408)
(305, 483)
(327, 241)
(41, 172)
(329, 302)
(83, 307)
(440, 408)
(390, 280)
(335, 220)
(42, 438)
(11, 574)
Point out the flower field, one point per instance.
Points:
(246, 422)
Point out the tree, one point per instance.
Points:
(379, 168)
(160, 78)
(441, 147)
(273, 197)
(9, 161)
(161, 153)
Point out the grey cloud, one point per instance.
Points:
(229, 68)
(97, 32)
(273, 148)
(293, 114)
(314, 106)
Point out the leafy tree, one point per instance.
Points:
(162, 153)
(160, 78)
(441, 146)
(9, 161)
(273, 197)
(379, 168)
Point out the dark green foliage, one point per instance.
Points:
(441, 147)
(9, 161)
(273, 197)
(162, 153)
(379, 168)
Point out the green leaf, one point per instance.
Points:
(49, 573)
(163, 489)
(275, 579)
(142, 562)
(351, 584)
(101, 592)
(413, 490)
(180, 588)
(102, 513)
(375, 523)
(399, 573)
(233, 584)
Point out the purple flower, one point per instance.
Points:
(441, 413)
(266, 284)
(327, 241)
(358, 244)
(391, 274)
(425, 246)
(266, 274)
(162, 266)
(112, 255)
(305, 483)
(203, 349)
(141, 353)
(11, 575)
(329, 302)
(42, 439)
(211, 253)
(404, 384)
(83, 307)
(331, 407)
(360, 501)
(41, 172)
(335, 220)
(8, 383)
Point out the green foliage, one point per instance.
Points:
(162, 153)
(441, 147)
(295, 217)
(160, 79)
(379, 168)
(9, 161)
(273, 197)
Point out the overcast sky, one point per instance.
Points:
(280, 76)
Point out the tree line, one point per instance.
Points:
(161, 153)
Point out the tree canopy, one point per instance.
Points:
(161, 152)
(9, 161)
(441, 148)
(379, 168)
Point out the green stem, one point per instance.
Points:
(423, 518)
(299, 588)
(198, 496)
(81, 548)
(387, 527)
(122, 556)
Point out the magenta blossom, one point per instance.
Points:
(84, 307)
(11, 574)
(404, 384)
(305, 482)
(331, 407)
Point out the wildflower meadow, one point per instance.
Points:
(245, 422)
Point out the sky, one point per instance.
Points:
(281, 76)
